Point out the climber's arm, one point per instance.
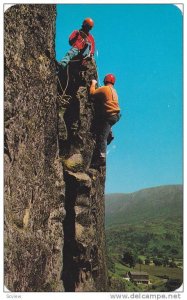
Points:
(73, 37)
(93, 90)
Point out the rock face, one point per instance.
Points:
(54, 196)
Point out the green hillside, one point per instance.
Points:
(149, 223)
(144, 205)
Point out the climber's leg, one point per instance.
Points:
(102, 139)
(104, 134)
(85, 52)
(69, 56)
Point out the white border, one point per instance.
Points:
(5, 294)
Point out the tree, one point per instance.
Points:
(172, 264)
(140, 261)
(129, 258)
(165, 261)
(173, 284)
(147, 261)
(174, 251)
(155, 251)
(110, 264)
(158, 261)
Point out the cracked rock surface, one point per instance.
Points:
(54, 197)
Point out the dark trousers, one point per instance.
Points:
(105, 128)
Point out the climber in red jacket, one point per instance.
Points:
(82, 43)
(109, 112)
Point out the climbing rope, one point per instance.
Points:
(64, 99)
(97, 53)
(64, 91)
(73, 60)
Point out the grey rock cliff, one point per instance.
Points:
(54, 196)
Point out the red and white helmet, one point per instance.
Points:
(109, 78)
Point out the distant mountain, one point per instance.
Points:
(163, 202)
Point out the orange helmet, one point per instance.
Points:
(89, 22)
(109, 78)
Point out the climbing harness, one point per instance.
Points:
(73, 60)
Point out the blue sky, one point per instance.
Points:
(142, 45)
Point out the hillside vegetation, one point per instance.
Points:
(149, 224)
(144, 205)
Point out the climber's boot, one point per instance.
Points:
(102, 159)
(110, 138)
(99, 161)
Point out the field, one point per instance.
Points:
(156, 275)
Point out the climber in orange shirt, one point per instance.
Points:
(109, 111)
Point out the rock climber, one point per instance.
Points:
(82, 42)
(109, 111)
